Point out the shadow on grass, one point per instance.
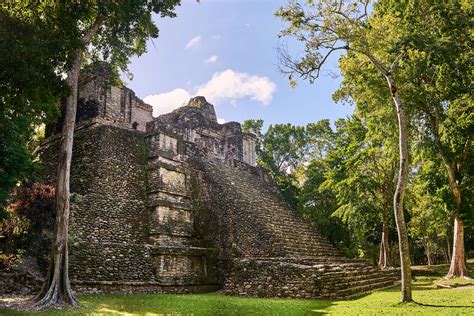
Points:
(204, 304)
(445, 306)
(422, 283)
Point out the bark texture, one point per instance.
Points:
(57, 287)
(458, 267)
(385, 260)
(385, 253)
(404, 250)
(448, 250)
(427, 246)
(405, 263)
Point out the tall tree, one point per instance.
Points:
(111, 30)
(440, 87)
(328, 26)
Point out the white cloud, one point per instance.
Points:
(227, 86)
(194, 42)
(220, 120)
(166, 102)
(212, 59)
(232, 85)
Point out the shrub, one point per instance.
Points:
(29, 223)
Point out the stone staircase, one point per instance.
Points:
(276, 252)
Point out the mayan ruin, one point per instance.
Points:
(176, 204)
(221, 158)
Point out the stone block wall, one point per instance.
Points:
(132, 218)
(119, 105)
(180, 254)
(109, 212)
(197, 123)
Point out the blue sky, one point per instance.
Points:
(226, 50)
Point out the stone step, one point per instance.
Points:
(303, 240)
(347, 281)
(304, 251)
(296, 249)
(363, 289)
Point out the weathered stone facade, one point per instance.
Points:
(181, 207)
(118, 105)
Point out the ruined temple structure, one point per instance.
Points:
(175, 204)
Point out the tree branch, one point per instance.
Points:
(377, 64)
(393, 65)
(365, 14)
(291, 66)
(86, 38)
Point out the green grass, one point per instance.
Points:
(430, 301)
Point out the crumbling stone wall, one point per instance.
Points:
(197, 123)
(119, 104)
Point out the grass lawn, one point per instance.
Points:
(430, 301)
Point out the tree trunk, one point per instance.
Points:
(428, 252)
(399, 195)
(385, 260)
(458, 267)
(448, 253)
(57, 288)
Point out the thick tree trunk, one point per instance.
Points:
(406, 295)
(458, 267)
(385, 260)
(57, 288)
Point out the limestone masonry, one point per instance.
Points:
(176, 204)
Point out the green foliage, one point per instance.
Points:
(437, 72)
(123, 30)
(30, 56)
(318, 204)
(30, 219)
(425, 47)
(294, 157)
(38, 42)
(282, 152)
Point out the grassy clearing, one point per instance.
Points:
(430, 301)
(440, 269)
